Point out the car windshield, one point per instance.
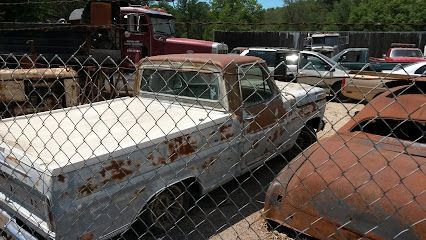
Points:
(181, 83)
(163, 25)
(406, 53)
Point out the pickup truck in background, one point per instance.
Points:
(196, 121)
(358, 59)
(402, 53)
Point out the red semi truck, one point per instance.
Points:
(114, 29)
(103, 41)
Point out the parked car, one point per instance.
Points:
(318, 70)
(367, 181)
(307, 67)
(365, 86)
(356, 59)
(400, 52)
(196, 122)
(414, 69)
(282, 62)
(238, 50)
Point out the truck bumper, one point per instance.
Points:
(9, 229)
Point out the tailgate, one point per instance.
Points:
(23, 191)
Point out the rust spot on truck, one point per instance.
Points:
(180, 146)
(12, 159)
(61, 178)
(208, 162)
(307, 110)
(117, 170)
(156, 160)
(277, 133)
(87, 188)
(226, 132)
(87, 236)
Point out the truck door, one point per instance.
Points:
(135, 42)
(313, 70)
(262, 111)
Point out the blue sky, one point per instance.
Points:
(271, 3)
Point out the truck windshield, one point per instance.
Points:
(162, 25)
(326, 41)
(406, 53)
(183, 83)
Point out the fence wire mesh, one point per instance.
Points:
(201, 146)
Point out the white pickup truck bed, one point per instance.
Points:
(66, 139)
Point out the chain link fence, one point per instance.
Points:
(201, 146)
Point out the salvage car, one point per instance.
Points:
(365, 86)
(414, 69)
(321, 71)
(196, 121)
(367, 181)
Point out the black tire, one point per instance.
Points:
(166, 208)
(306, 138)
(337, 92)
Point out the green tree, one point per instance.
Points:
(389, 15)
(237, 15)
(304, 15)
(192, 16)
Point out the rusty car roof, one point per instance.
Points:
(221, 60)
(405, 106)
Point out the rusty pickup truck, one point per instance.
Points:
(196, 121)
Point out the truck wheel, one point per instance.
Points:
(306, 138)
(338, 94)
(166, 208)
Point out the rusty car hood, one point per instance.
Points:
(357, 179)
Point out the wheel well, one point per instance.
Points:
(193, 187)
(314, 122)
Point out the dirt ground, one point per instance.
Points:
(233, 210)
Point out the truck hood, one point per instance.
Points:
(302, 93)
(185, 45)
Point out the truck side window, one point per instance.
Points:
(313, 63)
(254, 87)
(136, 23)
(352, 56)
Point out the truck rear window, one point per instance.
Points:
(406, 53)
(181, 83)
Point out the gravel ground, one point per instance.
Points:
(233, 210)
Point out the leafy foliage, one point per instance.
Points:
(199, 19)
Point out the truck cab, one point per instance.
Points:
(327, 44)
